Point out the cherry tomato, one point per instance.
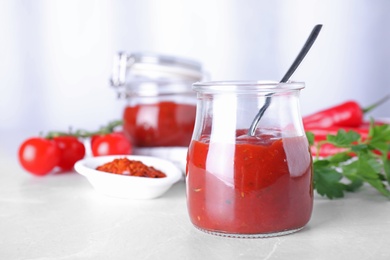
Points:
(110, 144)
(72, 150)
(93, 139)
(39, 156)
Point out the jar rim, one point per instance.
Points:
(247, 86)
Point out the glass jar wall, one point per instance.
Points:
(159, 115)
(245, 184)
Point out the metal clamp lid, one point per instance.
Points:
(154, 66)
(119, 70)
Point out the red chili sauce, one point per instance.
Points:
(159, 124)
(256, 186)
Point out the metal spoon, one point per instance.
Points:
(305, 49)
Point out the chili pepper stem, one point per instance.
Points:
(376, 104)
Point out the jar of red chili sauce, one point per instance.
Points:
(243, 183)
(159, 115)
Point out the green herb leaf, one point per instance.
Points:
(310, 137)
(327, 181)
(354, 185)
(370, 169)
(339, 158)
(386, 166)
(343, 138)
(360, 162)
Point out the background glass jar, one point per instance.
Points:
(242, 185)
(160, 111)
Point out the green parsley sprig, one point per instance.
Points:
(359, 162)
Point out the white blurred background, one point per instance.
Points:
(56, 55)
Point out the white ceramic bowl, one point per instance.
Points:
(129, 187)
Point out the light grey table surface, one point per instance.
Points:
(62, 217)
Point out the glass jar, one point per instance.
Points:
(242, 183)
(160, 112)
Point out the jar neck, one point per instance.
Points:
(226, 112)
(158, 88)
(247, 87)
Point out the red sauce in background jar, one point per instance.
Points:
(256, 186)
(163, 123)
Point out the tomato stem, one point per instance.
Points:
(81, 133)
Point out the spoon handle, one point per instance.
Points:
(305, 49)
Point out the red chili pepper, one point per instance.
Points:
(327, 149)
(320, 133)
(347, 114)
(377, 122)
